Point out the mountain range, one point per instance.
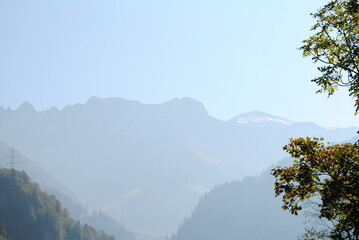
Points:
(148, 164)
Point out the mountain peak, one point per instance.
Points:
(260, 117)
(184, 100)
(26, 107)
(109, 101)
(186, 104)
(52, 110)
(93, 99)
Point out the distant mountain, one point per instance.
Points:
(158, 202)
(105, 223)
(245, 210)
(111, 150)
(28, 213)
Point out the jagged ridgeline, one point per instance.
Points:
(28, 213)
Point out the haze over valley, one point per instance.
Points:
(147, 165)
(179, 120)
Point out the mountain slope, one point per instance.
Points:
(245, 210)
(28, 213)
(67, 199)
(39, 175)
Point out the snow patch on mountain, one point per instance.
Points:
(270, 119)
(260, 117)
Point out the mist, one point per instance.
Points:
(156, 120)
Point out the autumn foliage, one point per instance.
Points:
(327, 173)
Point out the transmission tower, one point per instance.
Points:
(12, 158)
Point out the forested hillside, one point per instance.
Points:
(28, 213)
(244, 209)
(68, 200)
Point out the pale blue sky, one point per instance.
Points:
(234, 56)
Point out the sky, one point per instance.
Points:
(234, 56)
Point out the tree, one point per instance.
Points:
(336, 46)
(329, 174)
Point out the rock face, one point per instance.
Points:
(123, 156)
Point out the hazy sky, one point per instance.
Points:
(234, 56)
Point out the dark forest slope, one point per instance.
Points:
(28, 213)
(245, 210)
(68, 200)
